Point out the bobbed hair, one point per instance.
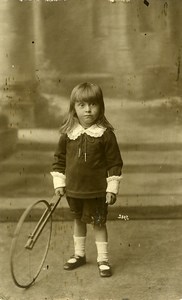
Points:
(90, 93)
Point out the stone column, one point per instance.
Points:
(17, 79)
(174, 9)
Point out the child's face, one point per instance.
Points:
(87, 113)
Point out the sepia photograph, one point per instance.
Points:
(90, 150)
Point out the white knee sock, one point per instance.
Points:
(79, 244)
(102, 251)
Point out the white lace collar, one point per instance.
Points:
(93, 131)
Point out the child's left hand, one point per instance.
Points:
(110, 198)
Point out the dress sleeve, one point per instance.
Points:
(112, 152)
(59, 164)
(114, 162)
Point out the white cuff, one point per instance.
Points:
(59, 179)
(113, 184)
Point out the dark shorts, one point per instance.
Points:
(90, 211)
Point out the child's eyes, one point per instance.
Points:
(83, 104)
(80, 104)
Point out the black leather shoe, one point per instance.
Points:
(75, 262)
(104, 269)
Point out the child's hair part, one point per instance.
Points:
(90, 93)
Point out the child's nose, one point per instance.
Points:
(88, 108)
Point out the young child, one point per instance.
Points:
(87, 168)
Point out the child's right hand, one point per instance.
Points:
(60, 191)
